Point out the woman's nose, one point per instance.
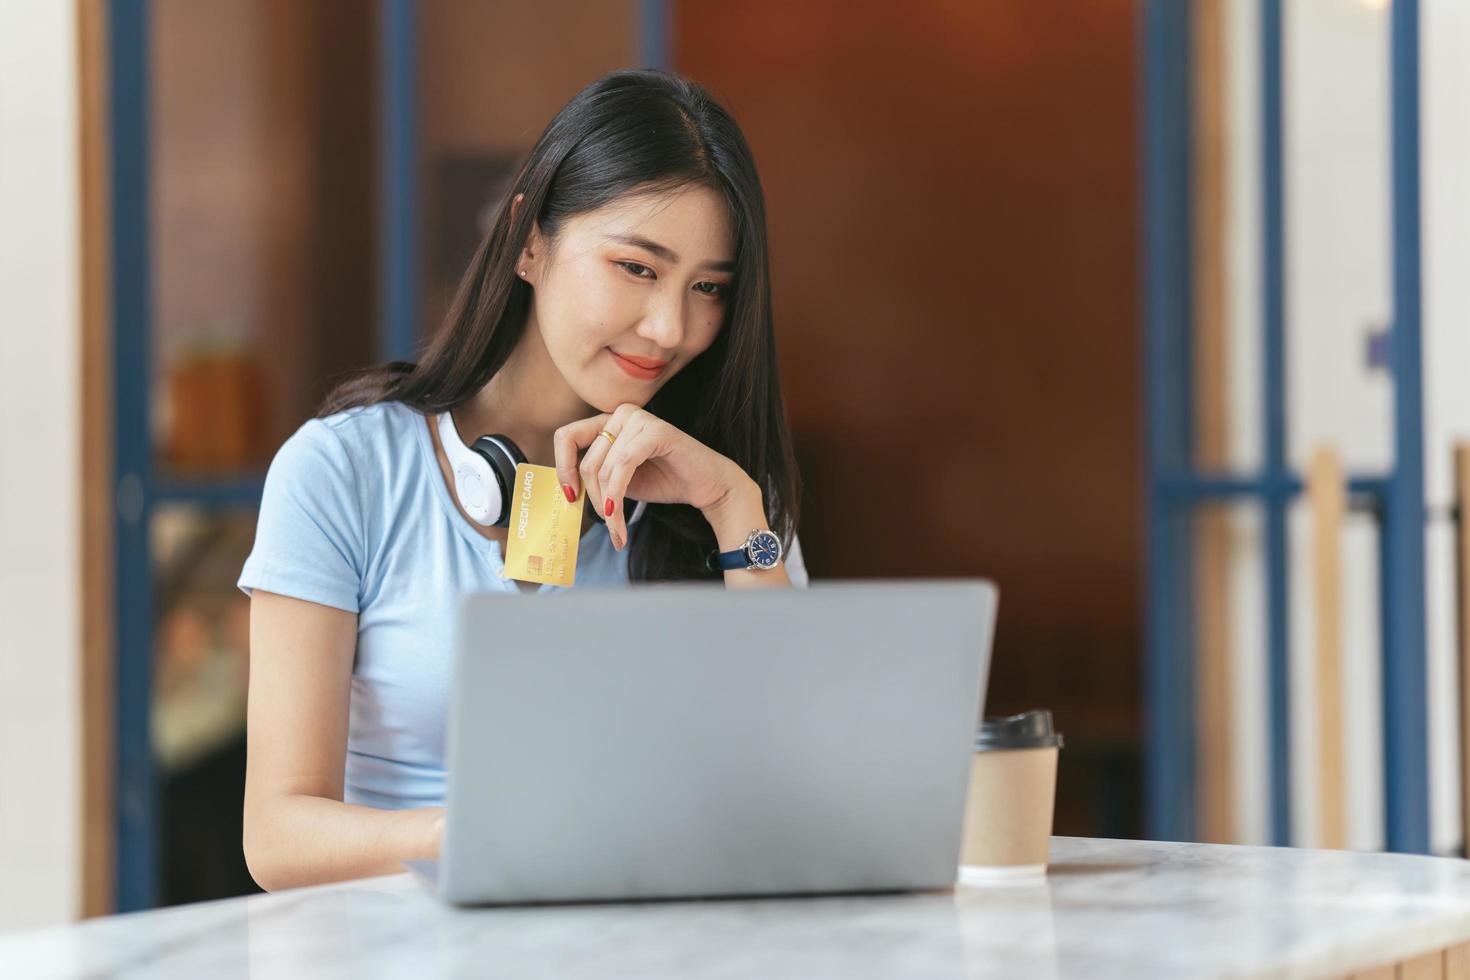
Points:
(664, 323)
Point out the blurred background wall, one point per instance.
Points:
(952, 200)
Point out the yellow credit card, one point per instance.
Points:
(544, 528)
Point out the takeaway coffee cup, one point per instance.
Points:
(1008, 812)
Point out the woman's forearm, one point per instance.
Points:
(307, 840)
(732, 520)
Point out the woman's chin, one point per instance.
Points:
(609, 403)
(606, 397)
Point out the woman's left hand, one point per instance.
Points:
(649, 460)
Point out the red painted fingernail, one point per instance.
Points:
(607, 508)
(566, 488)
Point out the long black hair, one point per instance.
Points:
(633, 131)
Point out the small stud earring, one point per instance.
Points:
(523, 273)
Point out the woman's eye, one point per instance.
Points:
(719, 289)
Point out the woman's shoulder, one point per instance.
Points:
(371, 425)
(341, 445)
(322, 502)
(363, 432)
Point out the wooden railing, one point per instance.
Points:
(1327, 500)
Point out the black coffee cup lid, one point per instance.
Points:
(1028, 730)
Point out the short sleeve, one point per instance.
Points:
(795, 565)
(309, 541)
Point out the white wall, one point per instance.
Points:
(40, 577)
(1338, 289)
(1242, 277)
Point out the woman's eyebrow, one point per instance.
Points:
(666, 253)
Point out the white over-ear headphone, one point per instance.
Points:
(485, 473)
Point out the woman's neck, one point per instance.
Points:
(527, 400)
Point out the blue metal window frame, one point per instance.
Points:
(1277, 497)
(399, 182)
(1173, 487)
(135, 800)
(1406, 733)
(1168, 422)
(655, 26)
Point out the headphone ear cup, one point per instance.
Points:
(503, 456)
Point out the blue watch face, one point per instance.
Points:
(765, 550)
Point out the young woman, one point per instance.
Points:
(615, 323)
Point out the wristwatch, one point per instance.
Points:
(762, 550)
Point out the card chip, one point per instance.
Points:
(533, 564)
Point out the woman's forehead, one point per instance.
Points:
(691, 222)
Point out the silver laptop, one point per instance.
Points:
(681, 741)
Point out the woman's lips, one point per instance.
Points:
(642, 368)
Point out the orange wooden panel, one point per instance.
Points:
(97, 681)
(1327, 500)
(1212, 531)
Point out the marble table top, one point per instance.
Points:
(1106, 909)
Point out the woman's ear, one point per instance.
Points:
(532, 251)
(526, 261)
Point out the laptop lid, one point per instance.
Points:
(688, 740)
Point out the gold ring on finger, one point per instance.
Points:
(610, 437)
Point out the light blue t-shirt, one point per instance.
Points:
(356, 515)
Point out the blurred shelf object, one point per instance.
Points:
(202, 654)
(214, 414)
(223, 492)
(200, 679)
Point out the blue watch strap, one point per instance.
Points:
(729, 561)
